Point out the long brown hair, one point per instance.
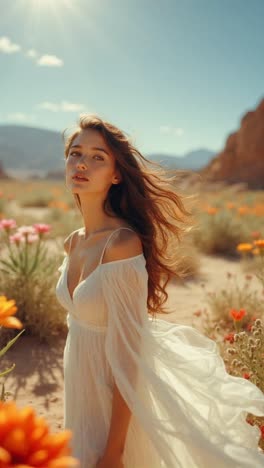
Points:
(146, 198)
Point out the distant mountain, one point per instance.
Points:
(194, 160)
(27, 149)
(32, 151)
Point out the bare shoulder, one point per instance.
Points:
(124, 243)
(71, 240)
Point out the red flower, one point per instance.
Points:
(237, 315)
(248, 277)
(229, 337)
(246, 376)
(197, 313)
(249, 326)
(255, 234)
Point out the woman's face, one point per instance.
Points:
(90, 157)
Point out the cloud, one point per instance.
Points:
(8, 47)
(167, 130)
(49, 61)
(64, 106)
(71, 107)
(49, 106)
(20, 117)
(178, 131)
(32, 53)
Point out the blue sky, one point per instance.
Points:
(175, 75)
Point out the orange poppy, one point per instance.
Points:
(259, 243)
(237, 315)
(7, 309)
(244, 247)
(25, 440)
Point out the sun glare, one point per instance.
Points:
(52, 5)
(39, 10)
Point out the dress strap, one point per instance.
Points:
(72, 236)
(109, 237)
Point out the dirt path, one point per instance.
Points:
(37, 379)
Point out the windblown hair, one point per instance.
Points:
(147, 200)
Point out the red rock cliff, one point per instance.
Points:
(242, 159)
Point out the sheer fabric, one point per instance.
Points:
(175, 383)
(187, 411)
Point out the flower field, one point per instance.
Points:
(35, 217)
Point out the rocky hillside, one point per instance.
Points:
(242, 159)
(38, 151)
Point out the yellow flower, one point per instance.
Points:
(7, 308)
(25, 440)
(244, 247)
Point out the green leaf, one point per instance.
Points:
(9, 265)
(7, 370)
(3, 393)
(10, 343)
(5, 271)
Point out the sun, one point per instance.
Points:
(40, 9)
(51, 5)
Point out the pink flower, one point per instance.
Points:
(17, 238)
(42, 228)
(25, 230)
(32, 238)
(7, 224)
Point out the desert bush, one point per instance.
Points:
(2, 204)
(218, 232)
(223, 224)
(35, 201)
(28, 273)
(235, 323)
(235, 295)
(253, 256)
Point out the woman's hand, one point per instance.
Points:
(116, 462)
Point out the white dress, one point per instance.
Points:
(187, 411)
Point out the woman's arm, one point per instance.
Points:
(120, 418)
(121, 413)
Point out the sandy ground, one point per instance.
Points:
(37, 379)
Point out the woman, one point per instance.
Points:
(140, 392)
